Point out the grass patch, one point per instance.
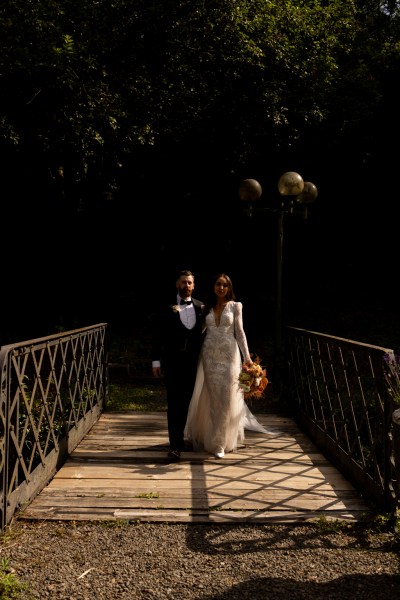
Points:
(151, 397)
(114, 524)
(10, 587)
(325, 525)
(138, 397)
(148, 495)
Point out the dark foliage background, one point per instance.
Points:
(156, 112)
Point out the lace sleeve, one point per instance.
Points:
(239, 332)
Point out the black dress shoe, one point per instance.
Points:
(174, 455)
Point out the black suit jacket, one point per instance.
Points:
(173, 344)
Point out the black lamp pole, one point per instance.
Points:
(278, 314)
(295, 197)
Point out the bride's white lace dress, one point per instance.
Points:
(218, 414)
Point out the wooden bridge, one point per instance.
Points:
(63, 455)
(120, 470)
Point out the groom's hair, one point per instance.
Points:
(185, 273)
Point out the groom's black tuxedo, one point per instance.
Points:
(178, 348)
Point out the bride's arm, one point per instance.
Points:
(239, 332)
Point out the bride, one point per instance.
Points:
(218, 414)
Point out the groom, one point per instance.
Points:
(177, 339)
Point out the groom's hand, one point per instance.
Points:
(156, 371)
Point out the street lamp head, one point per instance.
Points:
(308, 195)
(250, 190)
(290, 184)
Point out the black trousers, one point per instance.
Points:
(179, 382)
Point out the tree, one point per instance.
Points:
(93, 86)
(117, 102)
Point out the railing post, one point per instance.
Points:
(396, 469)
(5, 433)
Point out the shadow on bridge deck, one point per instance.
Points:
(120, 471)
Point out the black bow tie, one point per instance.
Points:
(187, 302)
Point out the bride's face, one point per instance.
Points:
(221, 287)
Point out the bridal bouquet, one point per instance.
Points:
(253, 379)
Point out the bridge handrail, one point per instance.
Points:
(52, 391)
(340, 397)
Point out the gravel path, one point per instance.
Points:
(146, 561)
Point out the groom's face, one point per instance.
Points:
(185, 285)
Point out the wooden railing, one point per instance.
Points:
(52, 391)
(340, 398)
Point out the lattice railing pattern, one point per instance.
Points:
(340, 397)
(52, 391)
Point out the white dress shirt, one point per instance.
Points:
(187, 313)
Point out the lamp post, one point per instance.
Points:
(295, 196)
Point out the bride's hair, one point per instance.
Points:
(212, 299)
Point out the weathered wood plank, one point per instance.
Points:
(193, 516)
(306, 503)
(203, 472)
(264, 495)
(155, 485)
